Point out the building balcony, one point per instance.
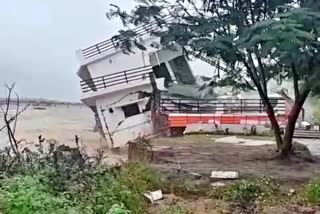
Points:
(100, 50)
(123, 80)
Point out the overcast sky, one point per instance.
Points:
(39, 39)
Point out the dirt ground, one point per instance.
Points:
(200, 154)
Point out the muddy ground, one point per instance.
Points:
(200, 154)
(197, 153)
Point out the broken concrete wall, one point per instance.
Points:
(126, 115)
(227, 129)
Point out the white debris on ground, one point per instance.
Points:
(244, 142)
(154, 196)
(224, 175)
(218, 184)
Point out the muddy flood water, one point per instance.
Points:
(61, 122)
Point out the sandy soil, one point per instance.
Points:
(201, 154)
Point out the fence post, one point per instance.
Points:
(198, 106)
(260, 105)
(241, 106)
(104, 83)
(179, 108)
(98, 49)
(125, 76)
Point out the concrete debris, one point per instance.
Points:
(218, 184)
(291, 192)
(154, 196)
(225, 174)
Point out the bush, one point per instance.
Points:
(312, 192)
(24, 195)
(247, 191)
(138, 177)
(118, 209)
(62, 180)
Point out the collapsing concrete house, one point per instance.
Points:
(145, 92)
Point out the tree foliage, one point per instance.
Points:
(253, 41)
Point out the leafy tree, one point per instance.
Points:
(253, 41)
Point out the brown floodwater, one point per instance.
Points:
(61, 122)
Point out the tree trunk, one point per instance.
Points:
(293, 116)
(275, 125)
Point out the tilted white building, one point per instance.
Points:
(120, 88)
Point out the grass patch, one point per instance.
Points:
(65, 180)
(312, 192)
(185, 187)
(247, 191)
(27, 194)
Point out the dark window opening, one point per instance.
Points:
(131, 110)
(162, 71)
(182, 71)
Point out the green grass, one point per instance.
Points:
(100, 191)
(247, 191)
(27, 194)
(312, 192)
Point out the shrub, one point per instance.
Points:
(138, 177)
(118, 209)
(26, 194)
(185, 187)
(312, 192)
(61, 179)
(247, 191)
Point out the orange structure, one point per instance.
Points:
(182, 112)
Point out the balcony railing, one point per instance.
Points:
(109, 44)
(203, 106)
(149, 29)
(122, 77)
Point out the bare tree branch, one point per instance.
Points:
(6, 111)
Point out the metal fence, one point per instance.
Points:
(202, 106)
(114, 42)
(122, 77)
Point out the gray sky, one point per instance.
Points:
(39, 39)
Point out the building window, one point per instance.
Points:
(162, 71)
(131, 110)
